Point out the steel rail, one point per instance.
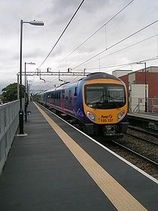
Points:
(136, 153)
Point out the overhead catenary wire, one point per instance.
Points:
(114, 16)
(132, 63)
(129, 46)
(125, 64)
(62, 33)
(120, 65)
(115, 44)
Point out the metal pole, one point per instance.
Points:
(145, 88)
(17, 86)
(25, 95)
(21, 113)
(26, 90)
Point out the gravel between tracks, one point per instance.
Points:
(148, 150)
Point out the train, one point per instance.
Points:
(98, 103)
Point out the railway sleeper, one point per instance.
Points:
(153, 126)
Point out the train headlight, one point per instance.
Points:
(121, 115)
(91, 116)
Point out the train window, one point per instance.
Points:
(70, 94)
(104, 95)
(52, 95)
(75, 94)
(93, 93)
(66, 94)
(115, 93)
(59, 95)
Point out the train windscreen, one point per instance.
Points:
(105, 96)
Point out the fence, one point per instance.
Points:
(138, 105)
(9, 120)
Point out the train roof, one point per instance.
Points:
(97, 75)
(91, 76)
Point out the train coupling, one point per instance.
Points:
(109, 130)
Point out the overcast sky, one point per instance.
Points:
(125, 39)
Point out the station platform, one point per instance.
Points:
(144, 120)
(56, 167)
(143, 115)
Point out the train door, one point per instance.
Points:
(63, 99)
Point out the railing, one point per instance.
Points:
(138, 105)
(152, 105)
(9, 120)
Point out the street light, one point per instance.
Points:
(26, 91)
(145, 82)
(17, 86)
(21, 113)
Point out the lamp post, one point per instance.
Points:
(26, 91)
(21, 113)
(145, 87)
(17, 86)
(145, 82)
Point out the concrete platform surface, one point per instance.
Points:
(42, 174)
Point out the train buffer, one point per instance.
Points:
(56, 167)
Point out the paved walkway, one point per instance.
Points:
(42, 174)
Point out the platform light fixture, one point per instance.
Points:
(21, 113)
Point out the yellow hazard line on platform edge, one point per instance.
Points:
(118, 195)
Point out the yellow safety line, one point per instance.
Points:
(118, 195)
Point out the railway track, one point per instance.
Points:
(139, 148)
(134, 147)
(137, 154)
(144, 135)
(143, 143)
(149, 131)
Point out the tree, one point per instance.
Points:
(9, 93)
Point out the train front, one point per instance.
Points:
(105, 104)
